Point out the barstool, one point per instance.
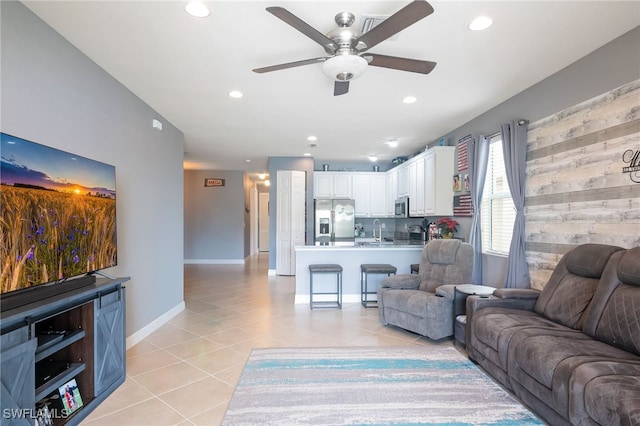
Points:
(415, 268)
(326, 268)
(372, 268)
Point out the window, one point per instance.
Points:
(498, 211)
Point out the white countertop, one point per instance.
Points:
(362, 245)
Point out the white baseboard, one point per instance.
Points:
(145, 331)
(272, 273)
(214, 261)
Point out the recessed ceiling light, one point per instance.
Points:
(392, 143)
(312, 138)
(197, 9)
(247, 161)
(480, 23)
(236, 94)
(307, 154)
(267, 182)
(409, 100)
(373, 158)
(262, 176)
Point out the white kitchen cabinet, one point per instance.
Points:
(369, 193)
(332, 185)
(439, 166)
(413, 187)
(392, 192)
(403, 180)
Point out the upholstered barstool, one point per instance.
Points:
(372, 268)
(326, 268)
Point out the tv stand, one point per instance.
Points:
(35, 294)
(78, 335)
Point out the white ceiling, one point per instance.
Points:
(184, 67)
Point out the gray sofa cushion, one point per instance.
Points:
(606, 392)
(495, 327)
(573, 283)
(543, 363)
(614, 400)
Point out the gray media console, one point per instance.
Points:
(75, 338)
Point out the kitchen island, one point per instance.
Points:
(350, 256)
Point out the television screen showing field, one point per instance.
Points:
(58, 214)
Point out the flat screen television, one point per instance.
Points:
(58, 221)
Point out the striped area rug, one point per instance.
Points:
(369, 386)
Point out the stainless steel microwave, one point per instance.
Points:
(402, 207)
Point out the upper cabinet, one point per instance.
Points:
(369, 193)
(438, 195)
(392, 192)
(427, 180)
(332, 185)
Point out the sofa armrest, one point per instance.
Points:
(446, 291)
(517, 293)
(402, 281)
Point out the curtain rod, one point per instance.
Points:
(493, 135)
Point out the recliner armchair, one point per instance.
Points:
(423, 303)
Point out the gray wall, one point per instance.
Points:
(304, 164)
(608, 67)
(214, 219)
(54, 95)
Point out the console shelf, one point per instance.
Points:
(78, 335)
(44, 351)
(59, 380)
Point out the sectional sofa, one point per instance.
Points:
(572, 351)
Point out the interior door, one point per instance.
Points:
(290, 219)
(263, 221)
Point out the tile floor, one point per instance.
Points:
(185, 372)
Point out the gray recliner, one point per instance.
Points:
(423, 303)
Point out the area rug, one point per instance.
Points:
(369, 386)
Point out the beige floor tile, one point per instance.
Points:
(152, 412)
(185, 372)
(169, 378)
(171, 338)
(141, 348)
(192, 348)
(198, 397)
(219, 360)
(129, 393)
(149, 361)
(211, 417)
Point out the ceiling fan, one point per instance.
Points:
(346, 45)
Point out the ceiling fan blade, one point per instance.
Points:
(402, 64)
(408, 15)
(340, 88)
(303, 27)
(290, 65)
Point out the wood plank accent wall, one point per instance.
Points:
(576, 189)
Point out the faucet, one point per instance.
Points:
(379, 230)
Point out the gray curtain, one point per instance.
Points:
(478, 157)
(514, 146)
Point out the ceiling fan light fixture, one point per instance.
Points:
(480, 23)
(344, 67)
(197, 9)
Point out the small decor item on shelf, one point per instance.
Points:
(70, 395)
(447, 227)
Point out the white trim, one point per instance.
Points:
(145, 331)
(214, 261)
(272, 273)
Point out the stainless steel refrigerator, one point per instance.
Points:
(334, 220)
